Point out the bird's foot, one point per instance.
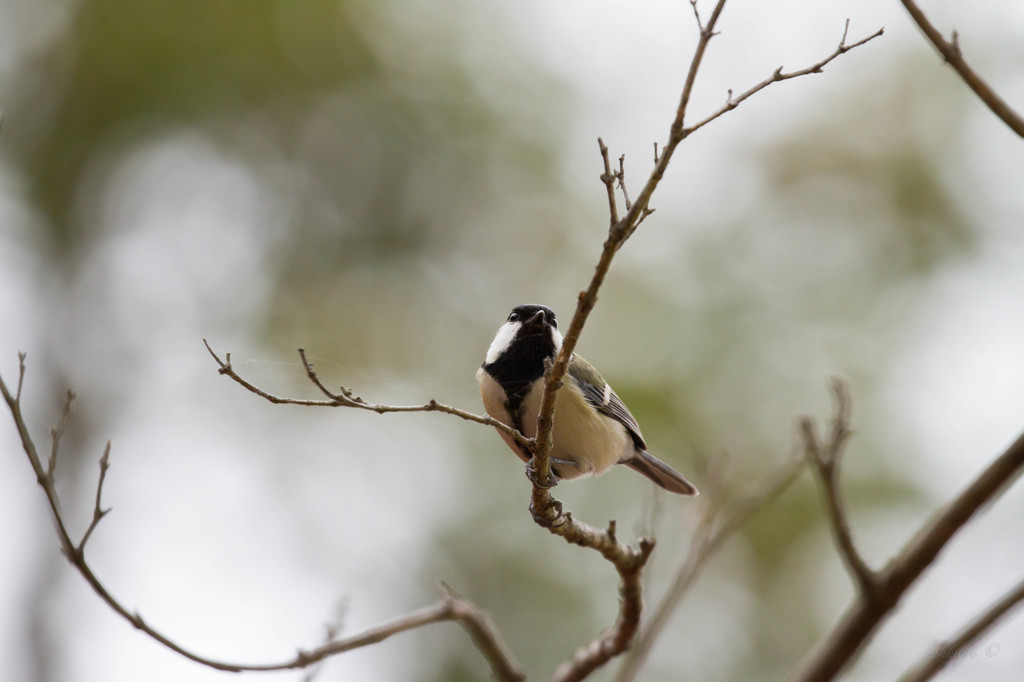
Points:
(531, 473)
(551, 517)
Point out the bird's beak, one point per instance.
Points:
(537, 322)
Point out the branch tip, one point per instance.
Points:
(696, 15)
(608, 178)
(21, 375)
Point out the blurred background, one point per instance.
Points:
(379, 183)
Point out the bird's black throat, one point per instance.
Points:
(521, 364)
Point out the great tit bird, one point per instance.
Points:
(593, 429)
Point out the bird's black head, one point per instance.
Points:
(517, 354)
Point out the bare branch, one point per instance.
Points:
(677, 133)
(43, 477)
(696, 15)
(825, 460)
(21, 375)
(431, 614)
(714, 527)
(620, 175)
(345, 398)
(865, 613)
(98, 512)
(57, 431)
(485, 636)
(608, 178)
(950, 51)
(946, 651)
(778, 75)
(451, 608)
(617, 639)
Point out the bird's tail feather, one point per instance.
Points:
(661, 473)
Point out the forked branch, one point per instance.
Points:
(825, 458)
(731, 102)
(871, 606)
(346, 398)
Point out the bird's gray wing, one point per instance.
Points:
(600, 395)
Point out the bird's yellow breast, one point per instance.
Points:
(593, 441)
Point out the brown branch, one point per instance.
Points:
(485, 636)
(620, 175)
(345, 398)
(950, 51)
(778, 75)
(825, 459)
(629, 563)
(97, 512)
(715, 526)
(869, 609)
(57, 431)
(946, 651)
(608, 178)
(451, 608)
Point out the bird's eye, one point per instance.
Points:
(513, 317)
(554, 323)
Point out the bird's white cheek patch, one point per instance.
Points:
(502, 340)
(556, 338)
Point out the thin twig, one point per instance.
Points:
(950, 51)
(696, 15)
(21, 375)
(57, 431)
(949, 650)
(346, 398)
(777, 76)
(620, 175)
(97, 512)
(608, 178)
(825, 459)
